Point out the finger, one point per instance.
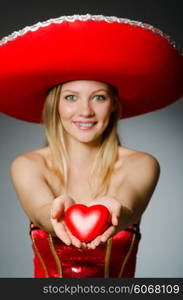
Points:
(114, 219)
(88, 245)
(93, 245)
(61, 204)
(57, 208)
(83, 245)
(97, 240)
(107, 234)
(75, 241)
(61, 232)
(69, 202)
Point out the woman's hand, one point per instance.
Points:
(59, 206)
(114, 207)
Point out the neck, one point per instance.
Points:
(82, 155)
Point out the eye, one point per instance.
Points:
(70, 97)
(100, 97)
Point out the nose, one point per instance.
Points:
(85, 109)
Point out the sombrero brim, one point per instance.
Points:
(136, 58)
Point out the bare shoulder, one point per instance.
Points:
(131, 157)
(27, 174)
(140, 167)
(139, 163)
(144, 161)
(136, 180)
(30, 161)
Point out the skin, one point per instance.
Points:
(83, 101)
(44, 198)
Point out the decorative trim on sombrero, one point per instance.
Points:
(73, 18)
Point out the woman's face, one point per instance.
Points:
(85, 107)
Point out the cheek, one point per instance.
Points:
(65, 111)
(106, 112)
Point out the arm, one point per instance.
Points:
(129, 195)
(32, 190)
(37, 198)
(137, 187)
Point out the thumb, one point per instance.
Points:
(69, 202)
(114, 220)
(57, 208)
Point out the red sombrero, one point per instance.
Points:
(138, 59)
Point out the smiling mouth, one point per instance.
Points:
(85, 125)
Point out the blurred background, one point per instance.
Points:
(158, 133)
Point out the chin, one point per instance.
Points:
(86, 140)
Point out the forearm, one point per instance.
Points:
(43, 220)
(129, 213)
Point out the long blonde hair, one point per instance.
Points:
(55, 138)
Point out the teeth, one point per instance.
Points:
(85, 124)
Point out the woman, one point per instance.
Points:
(83, 161)
(40, 189)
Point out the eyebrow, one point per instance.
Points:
(78, 92)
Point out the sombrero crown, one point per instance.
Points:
(138, 59)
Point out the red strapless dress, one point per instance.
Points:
(115, 258)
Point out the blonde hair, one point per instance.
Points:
(55, 139)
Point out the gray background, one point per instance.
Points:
(158, 133)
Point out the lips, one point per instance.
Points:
(85, 125)
(92, 122)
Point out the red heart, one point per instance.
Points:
(85, 222)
